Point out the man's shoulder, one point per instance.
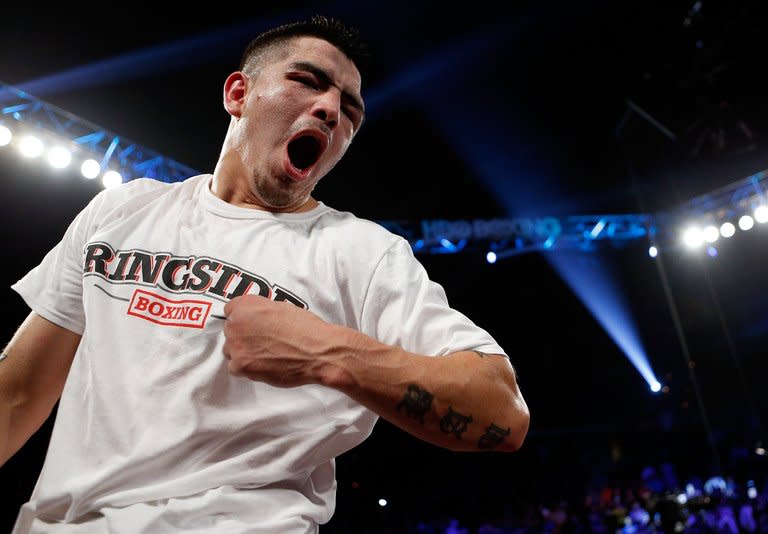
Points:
(357, 243)
(128, 190)
(356, 230)
(141, 186)
(140, 190)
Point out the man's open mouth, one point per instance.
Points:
(305, 150)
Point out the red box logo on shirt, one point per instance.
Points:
(169, 312)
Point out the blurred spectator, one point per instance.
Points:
(656, 501)
(454, 527)
(747, 518)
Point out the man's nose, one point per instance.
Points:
(327, 108)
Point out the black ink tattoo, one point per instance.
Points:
(454, 423)
(483, 354)
(3, 356)
(416, 402)
(492, 437)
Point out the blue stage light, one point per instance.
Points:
(601, 294)
(448, 245)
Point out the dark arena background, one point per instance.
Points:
(585, 179)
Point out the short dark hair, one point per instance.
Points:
(345, 38)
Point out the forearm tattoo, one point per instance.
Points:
(454, 423)
(492, 437)
(483, 354)
(416, 402)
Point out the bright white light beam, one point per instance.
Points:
(599, 292)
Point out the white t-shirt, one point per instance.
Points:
(152, 433)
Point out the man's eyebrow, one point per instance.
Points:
(326, 79)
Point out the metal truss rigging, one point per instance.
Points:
(503, 237)
(86, 140)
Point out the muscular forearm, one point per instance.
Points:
(20, 417)
(12, 436)
(14, 429)
(5, 432)
(463, 401)
(32, 377)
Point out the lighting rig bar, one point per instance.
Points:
(697, 221)
(704, 219)
(732, 200)
(26, 113)
(509, 237)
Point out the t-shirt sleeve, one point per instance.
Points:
(403, 307)
(54, 289)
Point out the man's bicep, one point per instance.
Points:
(36, 364)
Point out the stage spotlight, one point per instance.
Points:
(711, 251)
(491, 257)
(111, 179)
(448, 245)
(761, 214)
(711, 233)
(382, 502)
(727, 229)
(90, 169)
(746, 222)
(693, 237)
(760, 451)
(5, 135)
(655, 386)
(59, 157)
(653, 252)
(30, 146)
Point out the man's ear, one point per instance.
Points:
(234, 93)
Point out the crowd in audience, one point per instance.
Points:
(658, 503)
(595, 492)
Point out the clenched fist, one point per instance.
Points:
(279, 343)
